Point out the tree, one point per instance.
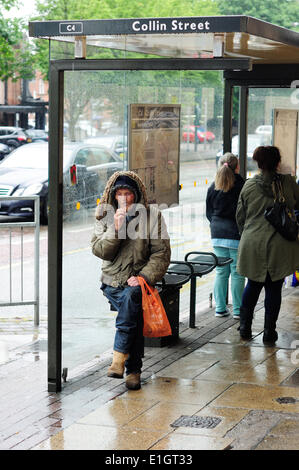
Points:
(282, 13)
(95, 9)
(109, 9)
(15, 51)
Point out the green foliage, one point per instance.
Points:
(109, 9)
(15, 52)
(98, 9)
(7, 4)
(41, 55)
(65, 9)
(283, 13)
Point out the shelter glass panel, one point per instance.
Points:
(261, 107)
(96, 131)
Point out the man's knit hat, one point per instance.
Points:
(125, 182)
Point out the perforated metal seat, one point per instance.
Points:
(202, 264)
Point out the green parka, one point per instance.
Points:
(145, 252)
(261, 248)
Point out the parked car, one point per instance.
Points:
(14, 136)
(38, 135)
(25, 173)
(189, 135)
(115, 143)
(253, 141)
(4, 151)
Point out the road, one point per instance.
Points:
(88, 323)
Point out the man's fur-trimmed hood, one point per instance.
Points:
(107, 197)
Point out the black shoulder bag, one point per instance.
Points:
(280, 216)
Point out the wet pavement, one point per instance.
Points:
(208, 391)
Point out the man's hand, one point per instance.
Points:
(119, 218)
(133, 281)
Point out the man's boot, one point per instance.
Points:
(133, 381)
(117, 367)
(246, 317)
(270, 334)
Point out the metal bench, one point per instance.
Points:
(202, 264)
(168, 289)
(178, 274)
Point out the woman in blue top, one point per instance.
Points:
(221, 205)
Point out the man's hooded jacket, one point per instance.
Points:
(141, 247)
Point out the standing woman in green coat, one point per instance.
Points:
(264, 256)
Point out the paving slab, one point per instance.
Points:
(248, 392)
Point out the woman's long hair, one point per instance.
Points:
(225, 176)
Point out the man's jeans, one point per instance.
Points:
(129, 323)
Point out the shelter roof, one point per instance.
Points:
(181, 37)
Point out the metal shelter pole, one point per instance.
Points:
(227, 116)
(243, 121)
(55, 229)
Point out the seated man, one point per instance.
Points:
(131, 238)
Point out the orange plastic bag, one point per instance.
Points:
(155, 321)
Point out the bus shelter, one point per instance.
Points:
(120, 79)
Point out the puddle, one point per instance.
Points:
(11, 347)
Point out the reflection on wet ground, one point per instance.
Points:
(250, 391)
(210, 391)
